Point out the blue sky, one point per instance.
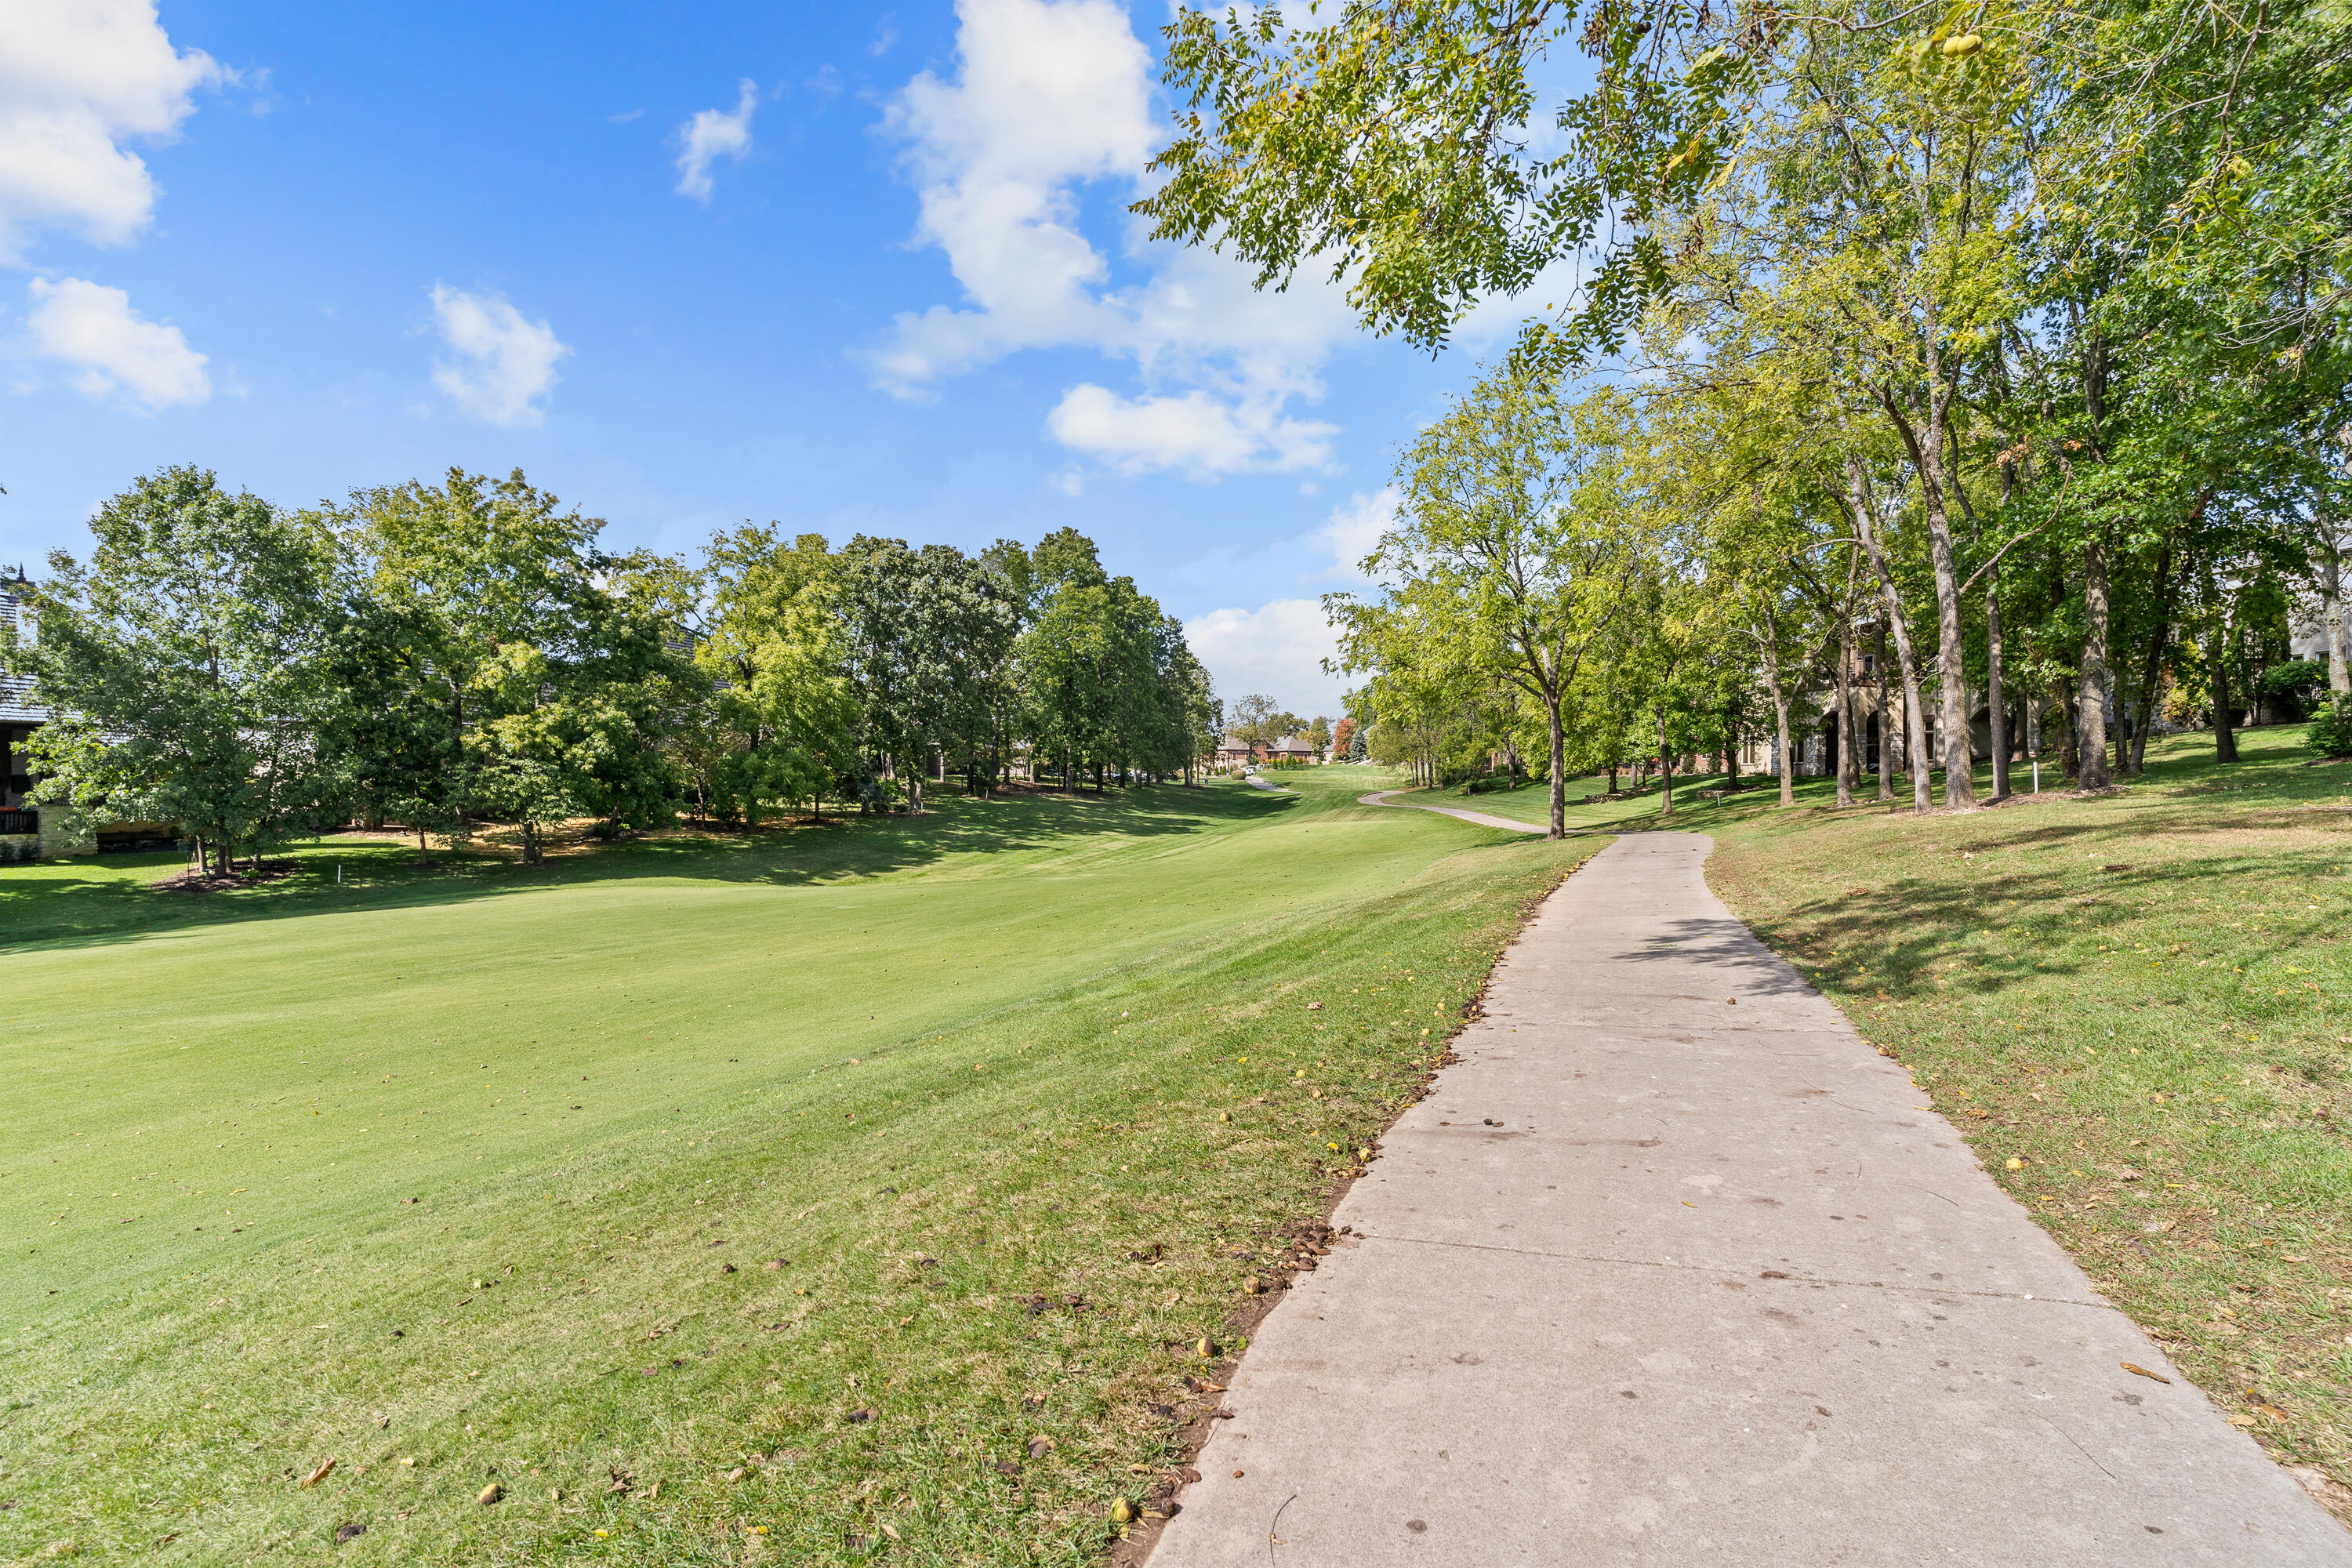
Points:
(848, 269)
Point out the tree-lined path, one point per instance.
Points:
(1673, 1267)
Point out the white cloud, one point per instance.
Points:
(1195, 432)
(76, 78)
(1051, 95)
(507, 363)
(1356, 526)
(115, 349)
(713, 134)
(1277, 648)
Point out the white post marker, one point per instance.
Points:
(2037, 775)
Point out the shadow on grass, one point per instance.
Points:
(80, 903)
(2174, 855)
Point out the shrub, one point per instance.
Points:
(2299, 686)
(2331, 727)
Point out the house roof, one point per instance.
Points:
(15, 690)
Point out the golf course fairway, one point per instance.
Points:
(854, 1192)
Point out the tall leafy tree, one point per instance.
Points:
(1516, 544)
(186, 667)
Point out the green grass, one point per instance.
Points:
(1531, 801)
(966, 1073)
(2146, 999)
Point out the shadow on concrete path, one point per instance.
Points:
(1673, 1268)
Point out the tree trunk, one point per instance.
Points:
(2152, 671)
(1959, 779)
(2331, 614)
(2225, 742)
(2070, 757)
(1665, 766)
(1996, 699)
(1846, 760)
(1915, 714)
(1781, 721)
(1885, 735)
(1558, 755)
(2091, 701)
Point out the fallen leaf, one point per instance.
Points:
(490, 1494)
(1122, 1513)
(737, 1473)
(347, 1532)
(1254, 1285)
(859, 1416)
(2143, 1372)
(315, 1477)
(774, 1265)
(1040, 1445)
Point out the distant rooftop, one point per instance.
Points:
(16, 705)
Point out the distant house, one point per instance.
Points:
(20, 826)
(1232, 753)
(1292, 749)
(38, 833)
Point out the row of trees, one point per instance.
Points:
(2008, 333)
(445, 656)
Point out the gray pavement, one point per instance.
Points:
(1381, 798)
(1673, 1268)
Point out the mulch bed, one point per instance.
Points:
(222, 882)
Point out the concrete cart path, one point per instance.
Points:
(1381, 798)
(1673, 1268)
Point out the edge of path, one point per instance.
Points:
(1134, 1547)
(1381, 798)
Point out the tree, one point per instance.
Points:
(919, 627)
(186, 667)
(1515, 546)
(501, 667)
(445, 578)
(1257, 720)
(1391, 144)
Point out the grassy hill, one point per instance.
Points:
(831, 1194)
(2144, 1001)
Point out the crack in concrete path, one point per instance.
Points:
(1449, 1399)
